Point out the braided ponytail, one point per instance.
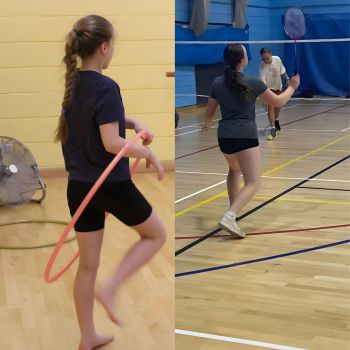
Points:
(88, 34)
(71, 61)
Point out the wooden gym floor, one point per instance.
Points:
(39, 316)
(286, 286)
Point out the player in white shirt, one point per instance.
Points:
(271, 71)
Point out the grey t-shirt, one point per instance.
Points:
(237, 115)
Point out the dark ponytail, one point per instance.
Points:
(87, 35)
(233, 55)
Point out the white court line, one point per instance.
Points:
(214, 120)
(336, 99)
(188, 132)
(304, 178)
(291, 99)
(346, 129)
(192, 131)
(192, 125)
(236, 340)
(222, 182)
(310, 130)
(198, 192)
(318, 99)
(267, 176)
(197, 172)
(206, 42)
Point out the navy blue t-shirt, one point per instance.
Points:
(96, 101)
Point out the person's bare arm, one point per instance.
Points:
(113, 143)
(209, 113)
(279, 100)
(133, 123)
(285, 76)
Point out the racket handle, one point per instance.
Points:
(295, 66)
(295, 58)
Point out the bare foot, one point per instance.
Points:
(107, 301)
(95, 342)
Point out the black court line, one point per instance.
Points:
(298, 120)
(340, 112)
(314, 115)
(212, 233)
(202, 150)
(266, 258)
(309, 116)
(324, 188)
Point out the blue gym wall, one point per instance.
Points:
(184, 75)
(259, 29)
(220, 12)
(277, 8)
(264, 19)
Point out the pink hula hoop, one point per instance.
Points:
(84, 203)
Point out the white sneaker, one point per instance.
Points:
(229, 223)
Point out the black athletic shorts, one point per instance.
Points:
(122, 199)
(230, 146)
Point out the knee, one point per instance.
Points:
(162, 236)
(257, 184)
(235, 171)
(158, 236)
(254, 184)
(89, 265)
(153, 229)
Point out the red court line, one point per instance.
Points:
(273, 232)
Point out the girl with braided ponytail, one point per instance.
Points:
(236, 94)
(92, 130)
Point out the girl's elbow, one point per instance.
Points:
(110, 147)
(113, 145)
